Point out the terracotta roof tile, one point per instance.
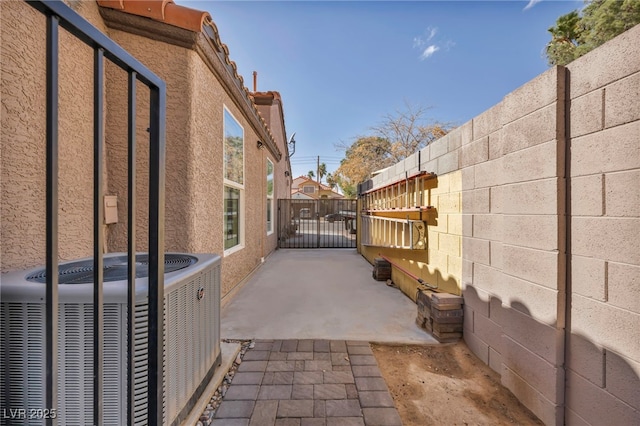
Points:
(161, 10)
(168, 12)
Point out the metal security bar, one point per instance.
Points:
(391, 232)
(58, 14)
(312, 223)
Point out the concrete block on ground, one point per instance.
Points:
(587, 195)
(586, 113)
(621, 101)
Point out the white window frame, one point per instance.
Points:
(270, 197)
(235, 185)
(313, 189)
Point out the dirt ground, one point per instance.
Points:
(447, 385)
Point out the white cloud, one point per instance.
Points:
(432, 33)
(429, 43)
(429, 51)
(531, 4)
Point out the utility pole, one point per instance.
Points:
(318, 170)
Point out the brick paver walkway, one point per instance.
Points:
(308, 383)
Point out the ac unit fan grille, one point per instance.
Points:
(115, 269)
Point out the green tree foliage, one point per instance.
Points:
(311, 175)
(601, 20)
(394, 139)
(322, 171)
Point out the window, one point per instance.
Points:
(308, 189)
(233, 183)
(269, 197)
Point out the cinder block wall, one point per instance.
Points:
(549, 187)
(512, 161)
(603, 351)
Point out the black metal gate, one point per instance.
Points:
(323, 223)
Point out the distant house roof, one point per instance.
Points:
(301, 180)
(167, 12)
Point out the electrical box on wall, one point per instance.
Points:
(110, 209)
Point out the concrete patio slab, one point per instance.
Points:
(320, 294)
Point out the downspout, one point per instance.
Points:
(567, 218)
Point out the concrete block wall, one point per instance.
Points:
(441, 263)
(603, 362)
(549, 187)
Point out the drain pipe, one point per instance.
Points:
(420, 280)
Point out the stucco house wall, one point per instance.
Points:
(549, 190)
(201, 82)
(22, 141)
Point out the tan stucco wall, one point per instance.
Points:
(516, 278)
(23, 140)
(194, 172)
(196, 97)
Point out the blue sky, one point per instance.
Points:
(342, 66)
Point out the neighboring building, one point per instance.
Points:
(226, 152)
(312, 189)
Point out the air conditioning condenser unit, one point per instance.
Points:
(191, 338)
